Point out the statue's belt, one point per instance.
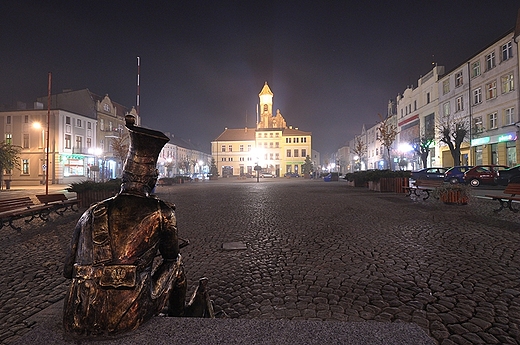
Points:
(114, 276)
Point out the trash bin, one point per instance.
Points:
(7, 184)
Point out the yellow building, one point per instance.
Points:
(277, 148)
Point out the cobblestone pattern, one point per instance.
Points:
(315, 251)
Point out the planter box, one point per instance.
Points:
(88, 197)
(389, 184)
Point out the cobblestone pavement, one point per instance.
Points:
(315, 251)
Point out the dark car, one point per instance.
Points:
(429, 174)
(291, 174)
(456, 174)
(483, 174)
(505, 176)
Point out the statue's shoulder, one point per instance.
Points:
(166, 205)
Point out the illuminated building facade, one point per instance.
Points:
(275, 147)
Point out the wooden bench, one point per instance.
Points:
(59, 202)
(423, 185)
(513, 189)
(22, 207)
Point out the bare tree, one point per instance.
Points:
(422, 148)
(120, 147)
(452, 133)
(360, 148)
(387, 134)
(9, 158)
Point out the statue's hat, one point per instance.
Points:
(143, 152)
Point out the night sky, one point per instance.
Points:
(332, 65)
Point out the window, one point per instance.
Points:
(8, 120)
(490, 61)
(509, 116)
(110, 125)
(288, 153)
(26, 119)
(8, 138)
(271, 145)
(475, 69)
(304, 140)
(78, 122)
(445, 86)
(477, 123)
(102, 124)
(477, 96)
(458, 79)
(491, 90)
(68, 141)
(296, 140)
(446, 108)
(241, 148)
(507, 51)
(277, 144)
(271, 156)
(277, 156)
(265, 135)
(89, 125)
(507, 83)
(25, 166)
(223, 148)
(459, 106)
(493, 120)
(271, 135)
(79, 143)
(304, 153)
(265, 144)
(67, 120)
(241, 159)
(415, 105)
(287, 140)
(26, 141)
(89, 143)
(428, 100)
(296, 153)
(249, 147)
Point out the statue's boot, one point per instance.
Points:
(200, 304)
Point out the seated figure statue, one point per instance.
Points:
(124, 258)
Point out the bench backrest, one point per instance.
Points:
(14, 203)
(512, 188)
(428, 183)
(46, 198)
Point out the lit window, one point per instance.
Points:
(459, 105)
(507, 51)
(475, 69)
(507, 83)
(8, 138)
(477, 96)
(79, 142)
(68, 141)
(458, 79)
(509, 116)
(445, 86)
(491, 90)
(479, 127)
(26, 141)
(490, 61)
(446, 108)
(493, 120)
(25, 166)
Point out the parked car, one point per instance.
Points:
(505, 176)
(483, 174)
(334, 176)
(265, 174)
(429, 174)
(456, 174)
(290, 174)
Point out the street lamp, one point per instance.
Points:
(45, 138)
(201, 163)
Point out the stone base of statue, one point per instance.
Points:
(206, 331)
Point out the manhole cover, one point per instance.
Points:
(234, 246)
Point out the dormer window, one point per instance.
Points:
(106, 107)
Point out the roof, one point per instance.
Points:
(266, 90)
(237, 134)
(292, 131)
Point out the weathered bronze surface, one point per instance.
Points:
(124, 258)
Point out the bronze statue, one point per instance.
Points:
(124, 258)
